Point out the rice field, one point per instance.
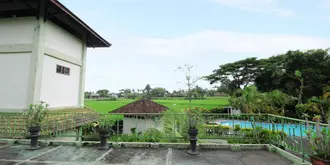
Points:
(108, 106)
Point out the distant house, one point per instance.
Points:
(233, 111)
(94, 96)
(113, 95)
(141, 115)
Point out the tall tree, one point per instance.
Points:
(125, 92)
(147, 91)
(245, 99)
(279, 71)
(158, 92)
(103, 92)
(236, 74)
(223, 88)
(199, 92)
(178, 93)
(87, 94)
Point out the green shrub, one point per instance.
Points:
(217, 129)
(237, 128)
(36, 114)
(125, 138)
(133, 130)
(152, 135)
(262, 135)
(217, 110)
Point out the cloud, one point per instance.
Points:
(198, 44)
(259, 6)
(133, 62)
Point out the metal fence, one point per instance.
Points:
(288, 133)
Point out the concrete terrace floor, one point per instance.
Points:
(62, 155)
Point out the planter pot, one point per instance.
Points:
(34, 134)
(281, 147)
(104, 135)
(317, 161)
(193, 141)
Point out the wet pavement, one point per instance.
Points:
(61, 155)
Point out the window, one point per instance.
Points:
(62, 70)
(66, 71)
(58, 69)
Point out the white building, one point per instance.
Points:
(232, 110)
(42, 54)
(142, 115)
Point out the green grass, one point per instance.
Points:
(107, 106)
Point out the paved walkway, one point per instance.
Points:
(62, 155)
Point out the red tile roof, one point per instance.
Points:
(141, 106)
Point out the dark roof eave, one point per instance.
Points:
(118, 110)
(82, 23)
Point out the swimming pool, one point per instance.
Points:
(290, 129)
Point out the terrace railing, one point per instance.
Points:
(288, 133)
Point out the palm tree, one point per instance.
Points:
(247, 99)
(278, 100)
(321, 103)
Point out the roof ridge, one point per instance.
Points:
(137, 106)
(125, 105)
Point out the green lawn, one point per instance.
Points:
(107, 106)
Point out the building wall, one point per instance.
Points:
(14, 83)
(140, 124)
(59, 90)
(16, 30)
(63, 41)
(18, 49)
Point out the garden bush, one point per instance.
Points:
(218, 110)
(150, 135)
(217, 129)
(237, 128)
(258, 135)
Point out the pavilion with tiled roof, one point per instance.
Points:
(142, 114)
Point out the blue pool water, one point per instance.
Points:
(290, 129)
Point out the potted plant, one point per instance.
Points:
(194, 117)
(36, 114)
(319, 141)
(103, 127)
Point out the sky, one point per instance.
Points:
(151, 38)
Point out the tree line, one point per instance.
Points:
(197, 92)
(299, 75)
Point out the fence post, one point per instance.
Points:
(79, 134)
(117, 133)
(301, 143)
(270, 137)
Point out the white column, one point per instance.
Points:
(37, 61)
(82, 76)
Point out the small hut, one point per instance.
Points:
(232, 110)
(95, 96)
(141, 115)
